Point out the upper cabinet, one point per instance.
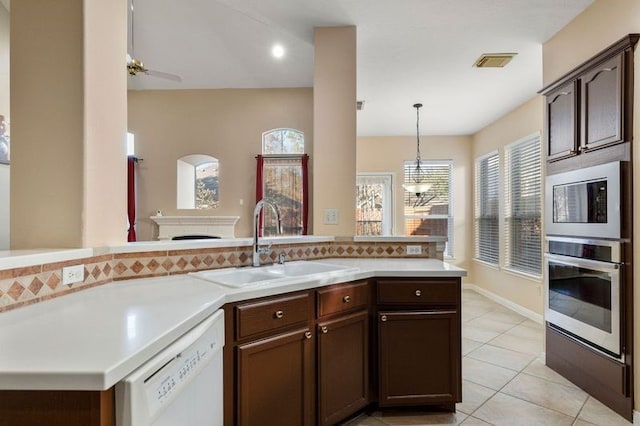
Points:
(561, 124)
(591, 107)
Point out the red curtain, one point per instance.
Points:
(305, 194)
(131, 197)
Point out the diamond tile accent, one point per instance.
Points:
(15, 291)
(153, 265)
(53, 281)
(182, 263)
(167, 264)
(35, 286)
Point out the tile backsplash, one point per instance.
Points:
(26, 285)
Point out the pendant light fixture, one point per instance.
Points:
(418, 175)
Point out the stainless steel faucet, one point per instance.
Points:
(257, 250)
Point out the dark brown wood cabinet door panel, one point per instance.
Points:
(601, 92)
(343, 367)
(440, 291)
(342, 298)
(419, 354)
(275, 380)
(272, 314)
(562, 132)
(57, 408)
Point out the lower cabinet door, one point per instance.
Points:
(343, 367)
(276, 380)
(419, 358)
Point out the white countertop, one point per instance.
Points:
(92, 339)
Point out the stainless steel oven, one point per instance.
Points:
(583, 291)
(585, 202)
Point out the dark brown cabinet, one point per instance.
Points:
(343, 367)
(601, 107)
(419, 349)
(269, 361)
(57, 408)
(343, 350)
(590, 107)
(418, 357)
(318, 357)
(561, 122)
(275, 380)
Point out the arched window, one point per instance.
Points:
(197, 182)
(282, 177)
(283, 141)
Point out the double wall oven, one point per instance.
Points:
(584, 258)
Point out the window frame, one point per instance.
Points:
(388, 182)
(407, 197)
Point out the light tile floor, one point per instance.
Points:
(505, 381)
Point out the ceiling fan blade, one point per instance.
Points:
(164, 75)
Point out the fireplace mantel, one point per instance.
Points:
(214, 226)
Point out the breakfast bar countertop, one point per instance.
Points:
(92, 339)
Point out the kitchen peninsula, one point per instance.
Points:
(90, 340)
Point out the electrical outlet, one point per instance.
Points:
(414, 249)
(330, 216)
(72, 274)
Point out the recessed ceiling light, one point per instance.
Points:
(277, 51)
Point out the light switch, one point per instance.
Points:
(330, 216)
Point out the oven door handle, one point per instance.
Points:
(584, 263)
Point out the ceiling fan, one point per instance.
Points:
(134, 65)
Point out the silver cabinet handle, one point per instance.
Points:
(418, 293)
(279, 314)
(324, 329)
(308, 335)
(383, 318)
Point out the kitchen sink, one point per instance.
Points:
(271, 274)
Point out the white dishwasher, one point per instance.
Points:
(182, 385)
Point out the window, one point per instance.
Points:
(374, 204)
(197, 186)
(282, 177)
(431, 213)
(486, 211)
(523, 206)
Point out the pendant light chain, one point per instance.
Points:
(418, 177)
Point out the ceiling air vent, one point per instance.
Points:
(494, 60)
(359, 105)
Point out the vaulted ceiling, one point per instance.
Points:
(408, 51)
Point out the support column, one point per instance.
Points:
(69, 121)
(334, 128)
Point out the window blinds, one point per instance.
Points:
(523, 205)
(487, 205)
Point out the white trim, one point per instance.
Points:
(487, 155)
(506, 303)
(636, 417)
(495, 266)
(528, 138)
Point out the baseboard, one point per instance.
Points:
(636, 417)
(506, 303)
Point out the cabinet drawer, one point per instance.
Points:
(343, 297)
(406, 292)
(271, 314)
